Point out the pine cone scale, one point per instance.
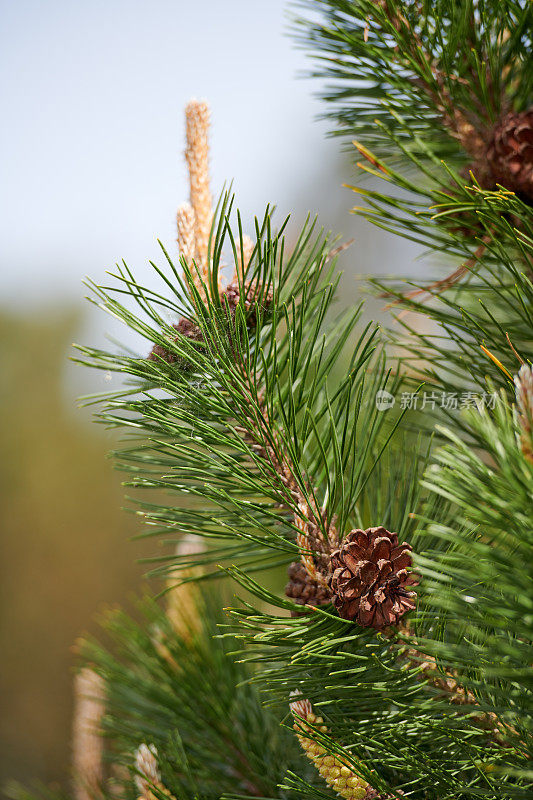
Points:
(401, 558)
(382, 548)
(354, 564)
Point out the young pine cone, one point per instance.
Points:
(185, 327)
(510, 155)
(304, 589)
(231, 295)
(229, 298)
(369, 579)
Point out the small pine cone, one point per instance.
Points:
(304, 589)
(231, 295)
(185, 327)
(510, 154)
(158, 353)
(230, 298)
(188, 328)
(369, 578)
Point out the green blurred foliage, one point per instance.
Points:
(64, 547)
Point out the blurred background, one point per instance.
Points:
(91, 147)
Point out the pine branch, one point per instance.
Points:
(189, 699)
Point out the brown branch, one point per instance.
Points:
(308, 518)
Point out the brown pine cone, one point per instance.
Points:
(369, 579)
(510, 155)
(304, 589)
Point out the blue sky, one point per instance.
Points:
(92, 96)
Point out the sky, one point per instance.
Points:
(91, 149)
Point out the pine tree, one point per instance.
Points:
(397, 662)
